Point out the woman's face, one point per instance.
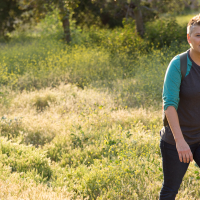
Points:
(194, 39)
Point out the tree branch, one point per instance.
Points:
(151, 9)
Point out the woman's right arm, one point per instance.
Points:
(184, 152)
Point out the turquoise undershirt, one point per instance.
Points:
(172, 82)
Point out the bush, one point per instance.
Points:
(23, 158)
(10, 128)
(164, 31)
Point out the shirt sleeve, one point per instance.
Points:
(172, 82)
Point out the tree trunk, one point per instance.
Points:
(139, 22)
(138, 18)
(194, 4)
(65, 14)
(66, 27)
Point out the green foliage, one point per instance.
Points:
(164, 31)
(5, 98)
(9, 11)
(37, 137)
(159, 33)
(10, 128)
(23, 158)
(50, 25)
(13, 129)
(166, 6)
(49, 64)
(89, 13)
(98, 58)
(183, 19)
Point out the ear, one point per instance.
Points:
(188, 38)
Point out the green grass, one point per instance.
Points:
(183, 20)
(43, 63)
(185, 17)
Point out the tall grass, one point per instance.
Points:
(46, 63)
(98, 150)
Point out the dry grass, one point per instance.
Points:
(16, 189)
(97, 148)
(83, 122)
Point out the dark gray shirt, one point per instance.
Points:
(188, 108)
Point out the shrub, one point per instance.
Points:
(10, 128)
(23, 158)
(43, 101)
(164, 31)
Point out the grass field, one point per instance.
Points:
(82, 122)
(184, 19)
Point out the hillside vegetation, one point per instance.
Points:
(82, 121)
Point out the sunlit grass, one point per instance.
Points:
(183, 20)
(96, 148)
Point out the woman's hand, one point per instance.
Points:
(184, 152)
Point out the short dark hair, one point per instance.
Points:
(195, 21)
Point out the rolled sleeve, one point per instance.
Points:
(172, 82)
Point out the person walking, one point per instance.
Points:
(180, 137)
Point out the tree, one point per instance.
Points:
(9, 13)
(89, 13)
(41, 7)
(138, 8)
(66, 7)
(192, 4)
(131, 7)
(167, 6)
(106, 10)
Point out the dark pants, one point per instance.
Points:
(173, 169)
